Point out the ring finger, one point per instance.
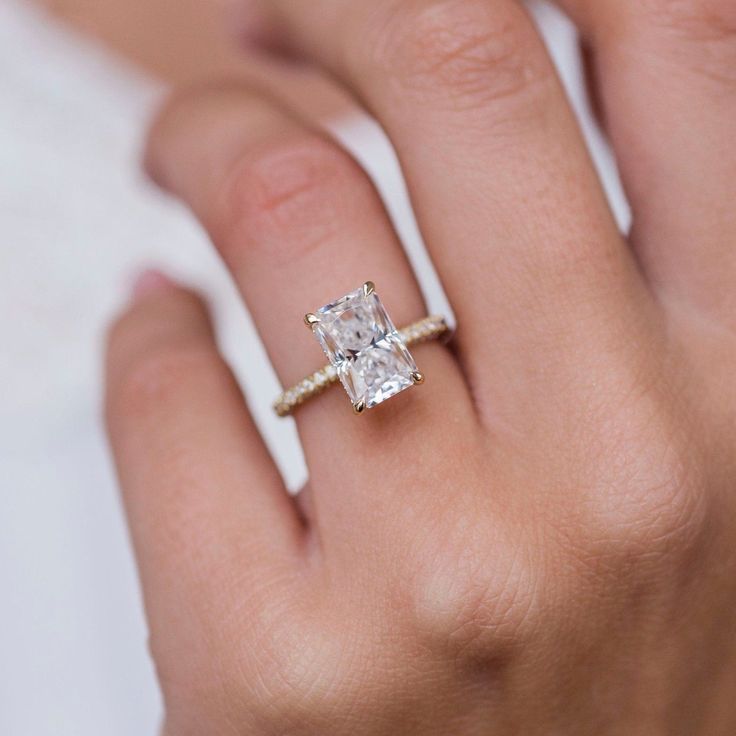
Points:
(501, 183)
(299, 223)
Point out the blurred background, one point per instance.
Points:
(79, 80)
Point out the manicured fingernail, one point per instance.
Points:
(149, 282)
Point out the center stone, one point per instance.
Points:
(360, 340)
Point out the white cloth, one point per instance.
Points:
(77, 221)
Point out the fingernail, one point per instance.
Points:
(149, 282)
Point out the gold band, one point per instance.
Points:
(429, 328)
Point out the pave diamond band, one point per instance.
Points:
(428, 328)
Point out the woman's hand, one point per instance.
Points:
(542, 539)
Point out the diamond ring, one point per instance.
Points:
(367, 354)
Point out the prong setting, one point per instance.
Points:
(417, 378)
(366, 351)
(310, 320)
(429, 328)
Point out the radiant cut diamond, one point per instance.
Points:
(361, 342)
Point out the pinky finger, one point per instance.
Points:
(212, 526)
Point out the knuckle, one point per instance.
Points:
(479, 599)
(460, 50)
(652, 506)
(265, 672)
(299, 678)
(662, 514)
(287, 196)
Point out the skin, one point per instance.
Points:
(181, 41)
(541, 540)
(189, 42)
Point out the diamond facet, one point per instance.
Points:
(360, 341)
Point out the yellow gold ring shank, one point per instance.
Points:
(429, 328)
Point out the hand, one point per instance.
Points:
(542, 539)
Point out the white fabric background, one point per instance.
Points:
(76, 221)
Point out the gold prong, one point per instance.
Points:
(310, 320)
(359, 406)
(418, 378)
(368, 288)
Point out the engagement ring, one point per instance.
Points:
(366, 353)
